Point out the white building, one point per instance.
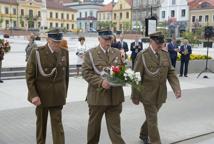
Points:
(86, 14)
(175, 15)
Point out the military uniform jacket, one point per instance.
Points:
(52, 90)
(154, 85)
(114, 95)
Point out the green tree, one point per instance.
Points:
(1, 21)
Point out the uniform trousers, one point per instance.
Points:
(56, 124)
(112, 115)
(150, 126)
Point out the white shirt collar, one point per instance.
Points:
(50, 48)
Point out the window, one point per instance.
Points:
(62, 16)
(72, 16)
(213, 17)
(172, 13)
(86, 15)
(22, 12)
(39, 14)
(193, 18)
(183, 12)
(39, 24)
(31, 13)
(68, 27)
(6, 10)
(57, 25)
(51, 25)
(104, 16)
(62, 25)
(51, 14)
(57, 16)
(127, 15)
(14, 24)
(163, 14)
(91, 13)
(68, 17)
(121, 15)
(115, 16)
(173, 2)
(7, 23)
(14, 11)
(121, 6)
(200, 18)
(206, 18)
(80, 14)
(72, 26)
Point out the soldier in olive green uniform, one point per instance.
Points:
(107, 101)
(47, 75)
(155, 68)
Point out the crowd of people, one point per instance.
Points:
(47, 76)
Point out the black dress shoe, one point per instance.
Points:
(186, 76)
(180, 75)
(144, 139)
(1, 81)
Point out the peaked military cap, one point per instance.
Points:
(158, 37)
(105, 33)
(55, 34)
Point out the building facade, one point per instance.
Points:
(34, 14)
(86, 14)
(104, 16)
(175, 15)
(201, 14)
(122, 15)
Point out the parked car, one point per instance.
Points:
(92, 30)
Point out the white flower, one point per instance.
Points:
(138, 76)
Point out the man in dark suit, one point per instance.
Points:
(185, 52)
(136, 47)
(173, 49)
(122, 45)
(47, 76)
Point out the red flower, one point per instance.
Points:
(116, 69)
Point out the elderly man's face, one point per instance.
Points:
(155, 45)
(105, 43)
(54, 44)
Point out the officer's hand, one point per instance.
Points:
(105, 84)
(136, 101)
(36, 101)
(178, 94)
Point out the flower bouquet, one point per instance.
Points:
(185, 52)
(5, 45)
(120, 76)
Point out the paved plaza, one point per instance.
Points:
(185, 118)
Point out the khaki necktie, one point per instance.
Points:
(107, 55)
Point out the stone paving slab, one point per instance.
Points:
(178, 119)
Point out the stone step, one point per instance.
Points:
(19, 72)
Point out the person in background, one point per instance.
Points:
(135, 47)
(108, 101)
(185, 51)
(64, 44)
(47, 77)
(31, 45)
(173, 50)
(81, 49)
(1, 58)
(122, 46)
(155, 68)
(114, 43)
